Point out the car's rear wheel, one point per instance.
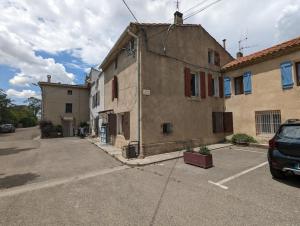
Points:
(276, 173)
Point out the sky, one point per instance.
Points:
(64, 38)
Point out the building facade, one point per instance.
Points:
(96, 103)
(65, 105)
(163, 87)
(263, 89)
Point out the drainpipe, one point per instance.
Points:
(141, 154)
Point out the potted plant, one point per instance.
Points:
(202, 158)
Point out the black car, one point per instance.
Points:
(284, 150)
(7, 128)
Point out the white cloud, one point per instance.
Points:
(89, 29)
(24, 94)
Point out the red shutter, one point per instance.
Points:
(187, 82)
(217, 58)
(112, 124)
(218, 122)
(202, 85)
(228, 122)
(209, 85)
(116, 87)
(113, 89)
(221, 86)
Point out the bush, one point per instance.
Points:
(58, 129)
(242, 138)
(204, 150)
(46, 128)
(28, 122)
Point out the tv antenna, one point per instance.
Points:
(177, 5)
(243, 44)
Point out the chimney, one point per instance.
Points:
(49, 78)
(178, 20)
(224, 43)
(239, 55)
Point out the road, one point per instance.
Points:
(69, 181)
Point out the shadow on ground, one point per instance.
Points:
(12, 151)
(293, 181)
(17, 180)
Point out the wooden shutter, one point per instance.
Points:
(221, 86)
(228, 122)
(112, 124)
(217, 58)
(286, 75)
(126, 125)
(187, 82)
(113, 89)
(209, 85)
(202, 85)
(217, 121)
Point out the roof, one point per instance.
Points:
(133, 27)
(269, 53)
(62, 85)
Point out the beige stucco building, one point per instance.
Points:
(273, 89)
(65, 105)
(163, 87)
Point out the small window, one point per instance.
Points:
(167, 128)
(70, 92)
(195, 85)
(215, 87)
(238, 85)
(68, 108)
(116, 62)
(211, 59)
(298, 73)
(267, 122)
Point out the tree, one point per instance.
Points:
(34, 104)
(5, 104)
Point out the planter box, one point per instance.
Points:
(197, 159)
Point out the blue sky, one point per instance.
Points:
(65, 39)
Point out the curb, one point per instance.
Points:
(263, 146)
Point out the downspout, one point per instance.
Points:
(141, 154)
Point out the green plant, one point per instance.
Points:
(204, 150)
(58, 129)
(188, 146)
(242, 138)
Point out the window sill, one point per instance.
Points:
(194, 99)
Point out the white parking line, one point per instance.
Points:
(239, 149)
(221, 182)
(56, 182)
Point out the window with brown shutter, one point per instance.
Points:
(187, 82)
(114, 88)
(222, 122)
(221, 86)
(210, 85)
(126, 125)
(202, 85)
(217, 58)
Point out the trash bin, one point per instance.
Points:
(131, 150)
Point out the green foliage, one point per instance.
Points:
(58, 129)
(188, 146)
(242, 138)
(34, 104)
(204, 150)
(46, 128)
(28, 121)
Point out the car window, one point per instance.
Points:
(292, 132)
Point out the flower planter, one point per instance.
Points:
(197, 159)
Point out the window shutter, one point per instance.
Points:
(112, 124)
(209, 85)
(187, 82)
(217, 58)
(227, 86)
(218, 122)
(202, 85)
(113, 89)
(286, 75)
(247, 82)
(126, 125)
(116, 87)
(221, 87)
(228, 122)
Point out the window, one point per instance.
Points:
(167, 128)
(238, 85)
(116, 62)
(68, 108)
(267, 122)
(286, 75)
(215, 86)
(211, 59)
(195, 85)
(222, 122)
(217, 58)
(227, 86)
(298, 73)
(70, 92)
(120, 123)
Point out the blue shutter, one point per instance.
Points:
(227, 86)
(286, 75)
(247, 82)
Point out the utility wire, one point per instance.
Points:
(130, 11)
(195, 6)
(200, 10)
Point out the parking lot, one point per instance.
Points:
(78, 184)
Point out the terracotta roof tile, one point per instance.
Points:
(246, 60)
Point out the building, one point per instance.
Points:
(96, 80)
(65, 105)
(263, 89)
(163, 87)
